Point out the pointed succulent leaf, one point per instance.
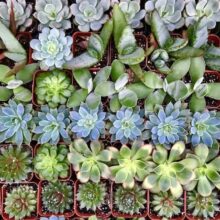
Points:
(95, 46)
(187, 52)
(176, 151)
(197, 68)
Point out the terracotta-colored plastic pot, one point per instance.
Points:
(86, 35)
(4, 192)
(118, 214)
(99, 213)
(66, 214)
(70, 167)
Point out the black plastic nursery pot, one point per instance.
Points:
(116, 213)
(6, 188)
(43, 212)
(104, 212)
(80, 41)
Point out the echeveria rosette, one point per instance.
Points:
(52, 49)
(205, 128)
(52, 125)
(53, 14)
(88, 123)
(127, 125)
(90, 14)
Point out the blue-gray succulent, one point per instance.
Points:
(52, 49)
(88, 123)
(51, 125)
(15, 123)
(53, 217)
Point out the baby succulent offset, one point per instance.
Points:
(53, 88)
(52, 49)
(89, 162)
(91, 195)
(53, 14)
(90, 14)
(51, 162)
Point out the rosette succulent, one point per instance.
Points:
(15, 123)
(53, 88)
(205, 128)
(127, 125)
(89, 162)
(88, 123)
(22, 13)
(90, 14)
(53, 13)
(170, 12)
(51, 125)
(168, 125)
(52, 49)
(207, 10)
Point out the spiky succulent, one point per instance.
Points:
(53, 217)
(53, 14)
(88, 123)
(51, 125)
(20, 202)
(91, 195)
(53, 88)
(52, 49)
(89, 162)
(165, 205)
(90, 14)
(205, 128)
(132, 163)
(22, 13)
(168, 125)
(15, 163)
(169, 173)
(130, 201)
(207, 10)
(15, 123)
(170, 12)
(51, 162)
(57, 197)
(127, 125)
(203, 207)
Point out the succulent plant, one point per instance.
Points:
(130, 201)
(51, 125)
(208, 10)
(169, 173)
(90, 14)
(53, 217)
(15, 123)
(127, 125)
(20, 202)
(51, 162)
(165, 205)
(132, 163)
(57, 197)
(53, 88)
(205, 128)
(89, 162)
(204, 207)
(169, 10)
(52, 49)
(15, 163)
(22, 13)
(91, 195)
(53, 14)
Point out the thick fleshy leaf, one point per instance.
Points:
(115, 105)
(215, 164)
(213, 90)
(125, 152)
(128, 98)
(213, 63)
(26, 74)
(93, 100)
(77, 98)
(202, 152)
(213, 175)
(190, 163)
(102, 75)
(121, 82)
(160, 155)
(118, 69)
(82, 77)
(185, 176)
(178, 43)
(95, 46)
(95, 174)
(153, 80)
(197, 104)
(140, 89)
(204, 187)
(106, 33)
(5, 94)
(150, 181)
(164, 183)
(105, 89)
(4, 70)
(22, 94)
(176, 190)
(197, 68)
(121, 176)
(176, 151)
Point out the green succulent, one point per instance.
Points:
(132, 163)
(51, 163)
(89, 162)
(20, 202)
(57, 197)
(130, 201)
(169, 173)
(204, 207)
(164, 204)
(15, 163)
(91, 195)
